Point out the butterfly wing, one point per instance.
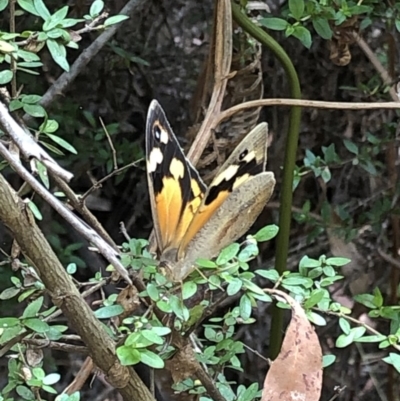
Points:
(176, 190)
(235, 198)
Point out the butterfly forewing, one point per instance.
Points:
(246, 161)
(176, 190)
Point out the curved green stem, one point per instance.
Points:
(282, 243)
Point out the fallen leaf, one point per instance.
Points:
(296, 374)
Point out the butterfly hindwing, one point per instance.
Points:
(246, 161)
(231, 220)
(176, 190)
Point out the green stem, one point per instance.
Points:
(282, 242)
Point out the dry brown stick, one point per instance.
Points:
(222, 65)
(318, 104)
(387, 80)
(18, 218)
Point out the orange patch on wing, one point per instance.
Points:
(168, 204)
(202, 216)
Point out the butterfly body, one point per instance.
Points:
(191, 220)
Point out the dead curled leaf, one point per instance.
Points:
(296, 374)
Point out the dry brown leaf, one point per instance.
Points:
(296, 374)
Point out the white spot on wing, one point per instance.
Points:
(177, 168)
(155, 158)
(226, 174)
(164, 136)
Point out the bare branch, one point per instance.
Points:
(87, 232)
(29, 148)
(34, 245)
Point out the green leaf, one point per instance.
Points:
(315, 297)
(28, 6)
(245, 307)
(30, 99)
(307, 262)
(71, 268)
(153, 292)
(327, 360)
(37, 325)
(315, 318)
(34, 209)
(64, 144)
(358, 332)
(136, 340)
(297, 280)
(55, 19)
(9, 293)
(151, 359)
(322, 27)
(7, 322)
(152, 336)
(6, 77)
(25, 393)
(378, 299)
(42, 170)
(228, 254)
(115, 19)
(33, 308)
(276, 24)
(337, 261)
(304, 35)
(96, 8)
(365, 299)
(164, 306)
(58, 53)
(393, 359)
(3, 4)
(56, 33)
(69, 22)
(108, 311)
(377, 338)
(234, 287)
(49, 126)
(34, 110)
(177, 306)
(206, 263)
(397, 23)
(344, 325)
(41, 9)
(350, 146)
(161, 331)
(15, 105)
(266, 233)
(296, 7)
(128, 355)
(51, 379)
(189, 288)
(271, 274)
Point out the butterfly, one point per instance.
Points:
(192, 221)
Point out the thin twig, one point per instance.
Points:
(108, 176)
(87, 232)
(92, 25)
(318, 104)
(114, 152)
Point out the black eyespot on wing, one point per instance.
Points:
(157, 132)
(243, 154)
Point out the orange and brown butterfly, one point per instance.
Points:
(192, 221)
